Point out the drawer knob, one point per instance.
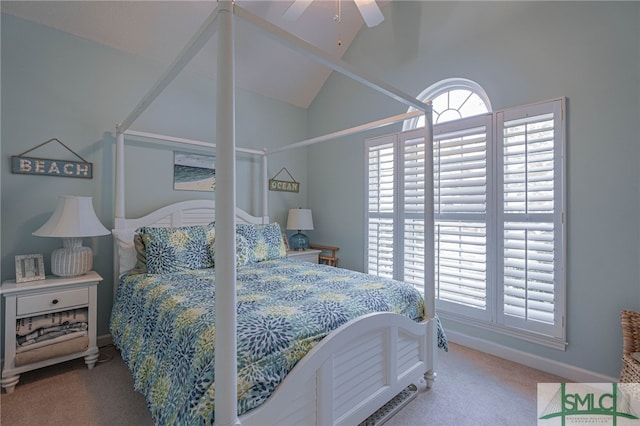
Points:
(55, 301)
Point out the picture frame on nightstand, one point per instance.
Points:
(29, 267)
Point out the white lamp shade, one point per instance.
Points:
(74, 217)
(300, 219)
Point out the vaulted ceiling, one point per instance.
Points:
(157, 30)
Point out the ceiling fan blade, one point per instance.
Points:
(370, 12)
(296, 9)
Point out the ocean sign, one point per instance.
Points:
(283, 185)
(49, 167)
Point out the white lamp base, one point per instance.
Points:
(72, 260)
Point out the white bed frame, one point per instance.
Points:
(350, 373)
(361, 365)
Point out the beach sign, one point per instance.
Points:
(21, 164)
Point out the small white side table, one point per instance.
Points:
(53, 294)
(308, 255)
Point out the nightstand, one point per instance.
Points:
(48, 296)
(304, 255)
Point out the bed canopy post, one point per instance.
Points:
(429, 247)
(265, 186)
(119, 201)
(226, 400)
(429, 218)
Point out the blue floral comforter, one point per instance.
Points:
(164, 327)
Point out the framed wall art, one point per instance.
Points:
(193, 172)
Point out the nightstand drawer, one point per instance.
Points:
(57, 300)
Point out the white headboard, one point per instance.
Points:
(185, 213)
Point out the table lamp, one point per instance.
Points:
(73, 219)
(300, 220)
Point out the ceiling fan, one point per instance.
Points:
(368, 9)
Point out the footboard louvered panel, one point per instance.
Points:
(409, 353)
(350, 374)
(357, 370)
(301, 407)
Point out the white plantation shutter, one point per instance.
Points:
(396, 207)
(498, 210)
(531, 206)
(381, 207)
(461, 183)
(412, 205)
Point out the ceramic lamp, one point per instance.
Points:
(73, 219)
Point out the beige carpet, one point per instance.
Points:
(472, 389)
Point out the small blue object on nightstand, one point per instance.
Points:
(300, 220)
(299, 242)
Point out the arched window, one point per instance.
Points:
(498, 210)
(452, 99)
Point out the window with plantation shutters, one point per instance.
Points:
(395, 220)
(530, 264)
(381, 206)
(498, 210)
(461, 200)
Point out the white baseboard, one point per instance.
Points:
(570, 372)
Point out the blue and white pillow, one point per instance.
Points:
(257, 243)
(178, 249)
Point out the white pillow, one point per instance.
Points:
(126, 250)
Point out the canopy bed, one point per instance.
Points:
(340, 373)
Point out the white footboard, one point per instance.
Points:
(351, 373)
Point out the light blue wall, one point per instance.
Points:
(520, 52)
(58, 85)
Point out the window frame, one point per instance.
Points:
(444, 86)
